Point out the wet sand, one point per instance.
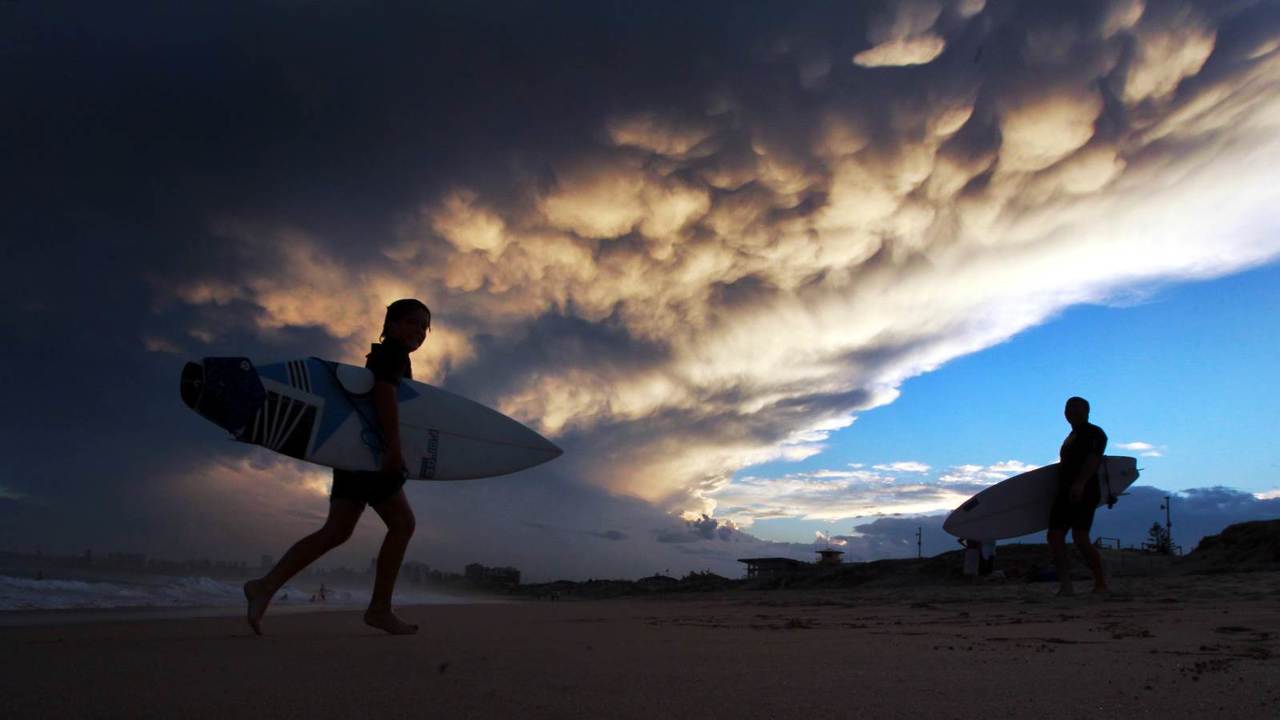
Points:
(1187, 646)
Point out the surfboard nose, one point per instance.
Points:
(524, 436)
(551, 448)
(534, 440)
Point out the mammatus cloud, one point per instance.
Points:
(904, 33)
(916, 50)
(776, 250)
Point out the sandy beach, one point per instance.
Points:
(1180, 646)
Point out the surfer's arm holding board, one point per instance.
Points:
(389, 363)
(387, 409)
(1093, 442)
(1087, 471)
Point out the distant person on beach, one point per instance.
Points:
(1078, 495)
(987, 563)
(979, 557)
(404, 329)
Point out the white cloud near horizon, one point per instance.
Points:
(764, 278)
(1144, 449)
(824, 538)
(907, 466)
(842, 494)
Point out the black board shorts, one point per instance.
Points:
(1075, 516)
(365, 487)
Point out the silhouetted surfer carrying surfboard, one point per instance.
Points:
(404, 329)
(1079, 494)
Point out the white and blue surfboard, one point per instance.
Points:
(322, 411)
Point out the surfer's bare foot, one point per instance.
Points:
(258, 599)
(388, 621)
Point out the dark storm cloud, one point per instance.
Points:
(550, 344)
(700, 528)
(1195, 513)
(895, 537)
(680, 239)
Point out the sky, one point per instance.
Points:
(799, 273)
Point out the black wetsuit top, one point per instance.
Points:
(1083, 442)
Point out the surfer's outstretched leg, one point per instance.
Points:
(1058, 545)
(343, 515)
(398, 516)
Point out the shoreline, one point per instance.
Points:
(81, 616)
(141, 613)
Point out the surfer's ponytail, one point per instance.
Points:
(401, 308)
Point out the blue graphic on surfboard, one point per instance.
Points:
(322, 411)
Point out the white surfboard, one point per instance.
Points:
(1020, 505)
(322, 411)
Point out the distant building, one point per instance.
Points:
(774, 566)
(779, 566)
(492, 576)
(415, 572)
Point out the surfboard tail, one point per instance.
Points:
(224, 390)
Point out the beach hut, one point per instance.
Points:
(829, 557)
